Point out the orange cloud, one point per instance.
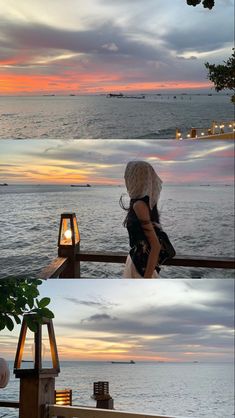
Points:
(90, 83)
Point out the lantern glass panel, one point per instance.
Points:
(66, 232)
(46, 350)
(76, 231)
(63, 397)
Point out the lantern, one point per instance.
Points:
(69, 237)
(37, 383)
(63, 397)
(102, 396)
(37, 368)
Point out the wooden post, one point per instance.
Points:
(213, 128)
(193, 133)
(35, 393)
(72, 269)
(105, 404)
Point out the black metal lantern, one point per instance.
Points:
(101, 394)
(69, 237)
(37, 369)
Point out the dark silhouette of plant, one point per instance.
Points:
(223, 75)
(18, 297)
(207, 4)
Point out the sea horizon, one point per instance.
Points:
(203, 92)
(200, 184)
(127, 360)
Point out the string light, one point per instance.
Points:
(211, 131)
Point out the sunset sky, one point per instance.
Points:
(103, 161)
(101, 46)
(171, 320)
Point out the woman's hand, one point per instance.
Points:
(142, 213)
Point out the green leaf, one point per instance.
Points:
(44, 302)
(17, 319)
(47, 313)
(20, 296)
(30, 301)
(2, 322)
(32, 325)
(9, 323)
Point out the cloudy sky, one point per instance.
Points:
(103, 45)
(169, 320)
(103, 161)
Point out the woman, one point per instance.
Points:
(144, 187)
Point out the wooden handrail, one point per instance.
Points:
(9, 404)
(57, 266)
(179, 260)
(82, 412)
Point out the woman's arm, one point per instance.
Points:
(142, 213)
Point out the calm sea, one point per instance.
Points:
(179, 389)
(198, 219)
(157, 116)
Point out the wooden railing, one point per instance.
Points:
(9, 404)
(224, 130)
(81, 412)
(58, 266)
(52, 411)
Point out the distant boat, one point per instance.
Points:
(123, 362)
(141, 96)
(115, 95)
(80, 185)
(121, 95)
(3, 184)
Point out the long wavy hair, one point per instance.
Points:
(154, 213)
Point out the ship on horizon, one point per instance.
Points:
(123, 362)
(80, 185)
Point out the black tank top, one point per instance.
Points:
(138, 242)
(133, 224)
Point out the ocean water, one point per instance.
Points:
(181, 389)
(198, 219)
(157, 116)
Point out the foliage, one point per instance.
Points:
(18, 297)
(223, 75)
(207, 4)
